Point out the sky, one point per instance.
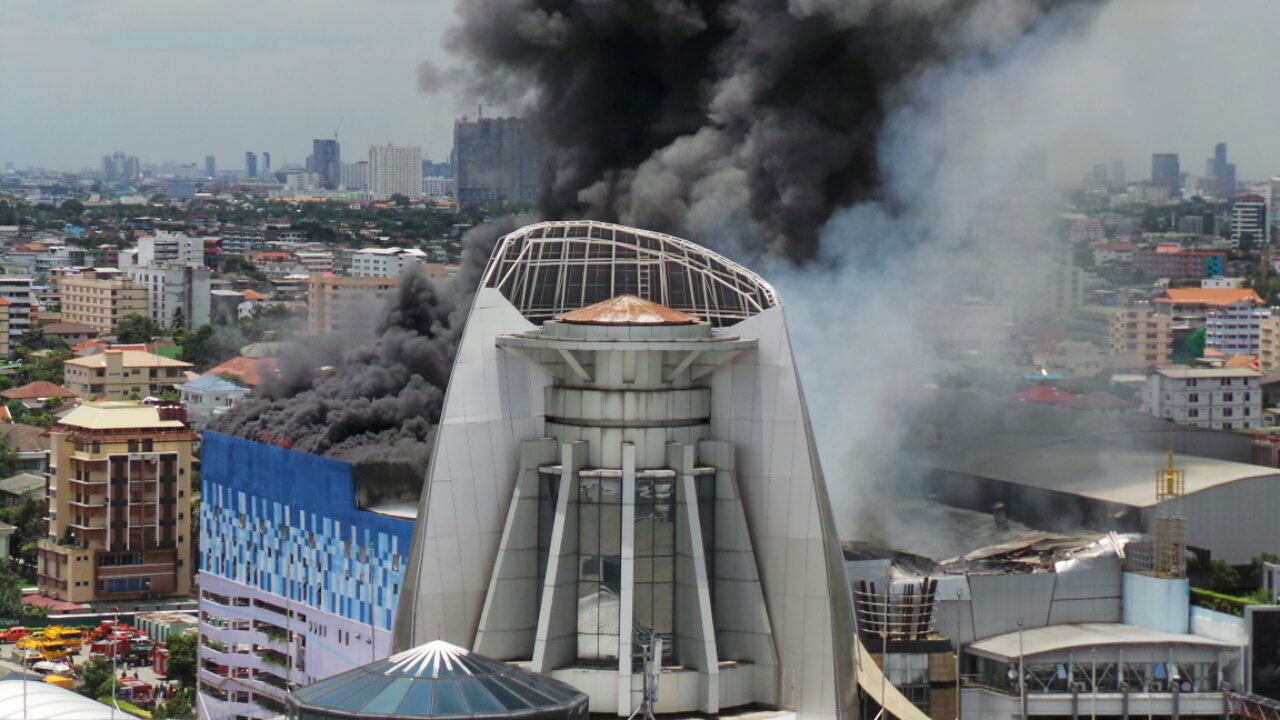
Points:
(182, 80)
(179, 81)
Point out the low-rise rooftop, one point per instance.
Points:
(1053, 638)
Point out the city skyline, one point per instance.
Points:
(111, 87)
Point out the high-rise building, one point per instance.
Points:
(1166, 171)
(250, 165)
(326, 160)
(498, 159)
(210, 166)
(395, 171)
(1117, 172)
(620, 461)
(178, 296)
(1220, 170)
(1249, 224)
(355, 176)
(345, 304)
(17, 291)
(266, 164)
(119, 523)
(101, 298)
(301, 561)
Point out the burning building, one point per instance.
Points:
(624, 462)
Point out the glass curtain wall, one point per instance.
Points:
(599, 568)
(655, 551)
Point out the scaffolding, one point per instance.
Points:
(1169, 527)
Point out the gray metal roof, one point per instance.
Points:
(1036, 641)
(1096, 467)
(21, 484)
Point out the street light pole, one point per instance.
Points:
(1022, 678)
(115, 653)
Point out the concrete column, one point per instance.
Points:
(509, 618)
(556, 641)
(696, 644)
(626, 593)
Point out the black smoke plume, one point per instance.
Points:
(374, 401)
(689, 115)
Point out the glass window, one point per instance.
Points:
(599, 567)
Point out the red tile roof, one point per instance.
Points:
(1043, 394)
(1209, 296)
(252, 370)
(37, 390)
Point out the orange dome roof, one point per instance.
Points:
(626, 310)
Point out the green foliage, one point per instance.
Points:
(1223, 577)
(182, 658)
(27, 517)
(72, 205)
(1220, 602)
(199, 347)
(96, 672)
(124, 705)
(135, 328)
(1195, 345)
(175, 708)
(236, 265)
(11, 605)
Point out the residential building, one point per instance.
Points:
(1223, 283)
(169, 248)
(70, 332)
(1249, 223)
(210, 166)
(1192, 308)
(121, 374)
(385, 262)
(17, 488)
(1235, 329)
(435, 187)
(247, 371)
(1166, 171)
(497, 160)
(355, 176)
(35, 394)
(395, 171)
(628, 492)
(1071, 359)
(314, 261)
(119, 525)
(178, 296)
(345, 304)
(238, 241)
(1269, 342)
(1225, 398)
(31, 445)
(4, 327)
(207, 397)
(1174, 263)
(1113, 252)
(1087, 229)
(17, 292)
(101, 298)
(326, 161)
(1134, 337)
(301, 563)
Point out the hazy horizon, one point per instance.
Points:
(177, 82)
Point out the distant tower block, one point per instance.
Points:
(1169, 527)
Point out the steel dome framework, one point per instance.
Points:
(548, 268)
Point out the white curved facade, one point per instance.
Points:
(537, 419)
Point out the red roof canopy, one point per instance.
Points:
(1043, 394)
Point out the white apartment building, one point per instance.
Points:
(1249, 217)
(436, 186)
(177, 295)
(354, 176)
(1235, 329)
(385, 262)
(17, 290)
(1220, 398)
(166, 247)
(395, 170)
(314, 261)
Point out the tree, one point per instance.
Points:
(182, 658)
(199, 347)
(135, 328)
(96, 672)
(176, 707)
(27, 517)
(72, 205)
(399, 200)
